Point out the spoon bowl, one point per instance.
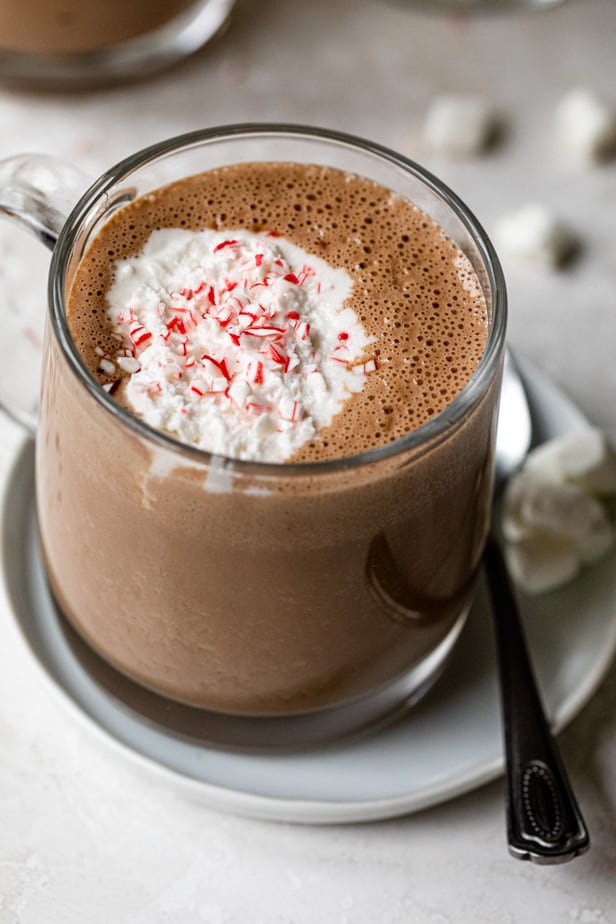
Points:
(514, 431)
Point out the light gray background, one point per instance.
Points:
(84, 837)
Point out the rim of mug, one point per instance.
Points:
(427, 433)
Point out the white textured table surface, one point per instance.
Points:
(86, 837)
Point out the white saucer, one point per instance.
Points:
(450, 743)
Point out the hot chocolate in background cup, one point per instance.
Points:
(76, 43)
(312, 599)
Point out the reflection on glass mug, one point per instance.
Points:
(81, 42)
(266, 433)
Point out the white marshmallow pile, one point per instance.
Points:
(555, 518)
(533, 235)
(585, 127)
(584, 130)
(459, 126)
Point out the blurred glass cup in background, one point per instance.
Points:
(476, 6)
(57, 43)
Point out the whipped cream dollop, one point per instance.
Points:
(237, 343)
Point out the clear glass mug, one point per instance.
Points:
(64, 43)
(275, 604)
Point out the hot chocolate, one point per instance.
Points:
(269, 589)
(58, 27)
(413, 330)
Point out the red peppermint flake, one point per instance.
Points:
(293, 316)
(138, 333)
(143, 338)
(176, 324)
(265, 330)
(271, 312)
(236, 302)
(258, 259)
(188, 318)
(219, 365)
(370, 365)
(218, 386)
(343, 335)
(288, 409)
(224, 244)
(253, 407)
(278, 356)
(302, 329)
(258, 377)
(224, 316)
(305, 273)
(197, 391)
(291, 277)
(340, 355)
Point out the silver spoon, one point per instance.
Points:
(544, 823)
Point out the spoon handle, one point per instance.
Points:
(544, 823)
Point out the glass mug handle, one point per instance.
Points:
(37, 192)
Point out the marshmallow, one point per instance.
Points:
(585, 126)
(534, 235)
(597, 541)
(552, 522)
(536, 505)
(582, 457)
(541, 564)
(459, 126)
